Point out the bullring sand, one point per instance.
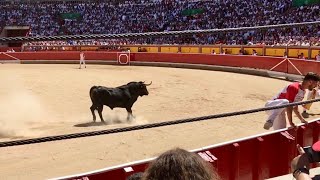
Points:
(42, 100)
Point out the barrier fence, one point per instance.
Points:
(310, 52)
(258, 157)
(277, 64)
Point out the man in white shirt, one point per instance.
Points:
(82, 61)
(293, 92)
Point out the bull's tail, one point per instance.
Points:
(91, 92)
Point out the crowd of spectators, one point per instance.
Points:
(113, 17)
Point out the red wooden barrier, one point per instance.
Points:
(260, 62)
(69, 55)
(293, 66)
(258, 157)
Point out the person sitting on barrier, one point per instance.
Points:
(300, 165)
(294, 92)
(179, 164)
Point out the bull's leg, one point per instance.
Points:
(92, 108)
(100, 108)
(130, 116)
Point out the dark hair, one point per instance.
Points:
(135, 176)
(179, 164)
(311, 76)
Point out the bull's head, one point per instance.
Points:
(138, 88)
(142, 88)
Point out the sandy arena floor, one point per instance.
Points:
(42, 100)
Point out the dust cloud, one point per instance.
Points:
(21, 111)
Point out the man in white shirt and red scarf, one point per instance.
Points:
(294, 92)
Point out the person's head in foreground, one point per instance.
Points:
(179, 164)
(135, 176)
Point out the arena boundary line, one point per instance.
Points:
(194, 150)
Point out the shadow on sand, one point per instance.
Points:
(2, 135)
(312, 114)
(99, 123)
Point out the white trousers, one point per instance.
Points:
(82, 61)
(277, 116)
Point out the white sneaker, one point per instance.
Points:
(267, 125)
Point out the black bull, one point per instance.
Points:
(123, 97)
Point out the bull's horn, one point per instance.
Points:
(148, 84)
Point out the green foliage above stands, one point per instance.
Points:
(298, 3)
